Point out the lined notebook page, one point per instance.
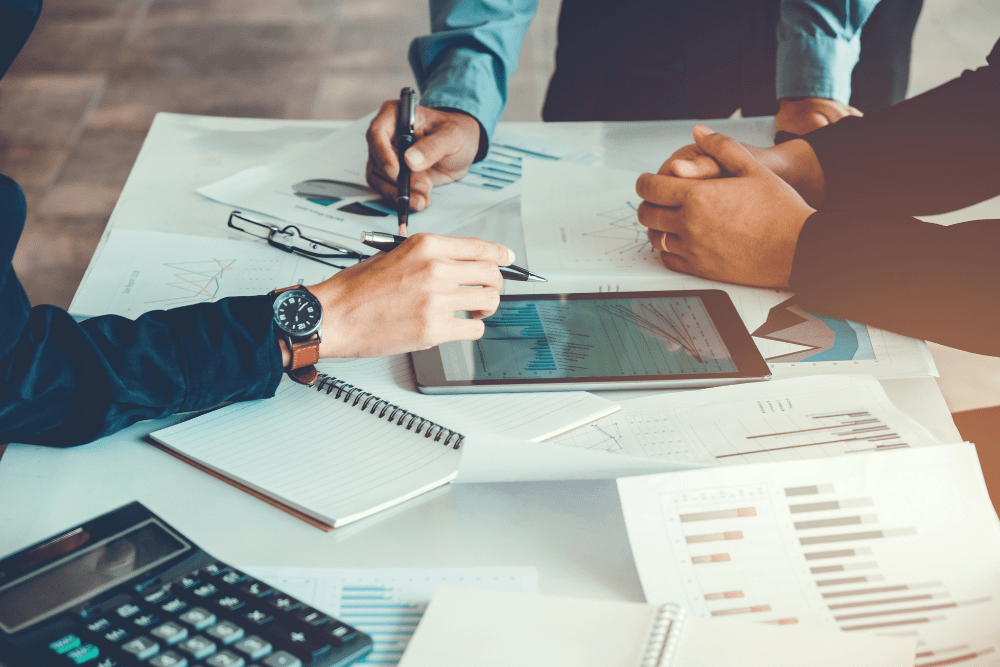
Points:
(317, 454)
(534, 417)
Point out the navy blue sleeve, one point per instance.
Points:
(65, 383)
(862, 256)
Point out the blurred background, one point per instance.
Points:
(77, 103)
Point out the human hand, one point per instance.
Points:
(447, 143)
(794, 162)
(406, 299)
(803, 115)
(741, 229)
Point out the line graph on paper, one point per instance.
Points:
(194, 282)
(620, 231)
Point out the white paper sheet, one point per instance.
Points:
(824, 345)
(581, 220)
(905, 543)
(814, 417)
(282, 189)
(140, 271)
(387, 603)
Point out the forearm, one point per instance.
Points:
(466, 61)
(898, 273)
(818, 47)
(65, 383)
(933, 153)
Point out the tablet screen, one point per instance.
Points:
(584, 338)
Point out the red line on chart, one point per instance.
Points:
(808, 430)
(810, 444)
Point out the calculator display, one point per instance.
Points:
(85, 572)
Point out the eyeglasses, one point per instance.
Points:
(290, 239)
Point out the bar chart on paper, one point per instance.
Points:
(387, 604)
(821, 547)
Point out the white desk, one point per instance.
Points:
(572, 531)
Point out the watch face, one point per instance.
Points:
(298, 313)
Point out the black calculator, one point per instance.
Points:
(128, 590)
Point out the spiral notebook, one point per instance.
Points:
(464, 627)
(332, 453)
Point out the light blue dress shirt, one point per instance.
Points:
(473, 49)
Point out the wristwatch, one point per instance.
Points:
(298, 316)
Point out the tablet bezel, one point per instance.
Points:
(751, 366)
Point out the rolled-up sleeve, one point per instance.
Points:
(819, 42)
(466, 61)
(65, 383)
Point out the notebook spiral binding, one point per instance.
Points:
(664, 636)
(362, 399)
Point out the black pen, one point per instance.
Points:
(387, 242)
(405, 138)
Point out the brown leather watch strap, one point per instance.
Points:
(305, 355)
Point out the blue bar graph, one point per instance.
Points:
(522, 323)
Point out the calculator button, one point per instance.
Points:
(170, 632)
(99, 625)
(198, 647)
(116, 635)
(110, 662)
(230, 603)
(146, 620)
(311, 616)
(198, 617)
(127, 610)
(284, 603)
(157, 597)
(282, 659)
(205, 590)
(226, 632)
(225, 659)
(257, 617)
(254, 646)
(215, 570)
(233, 577)
(188, 582)
(340, 634)
(84, 654)
(169, 659)
(142, 648)
(174, 606)
(257, 589)
(307, 644)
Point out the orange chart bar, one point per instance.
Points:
(742, 610)
(719, 514)
(724, 596)
(715, 537)
(714, 558)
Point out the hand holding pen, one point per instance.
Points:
(446, 144)
(405, 137)
(389, 242)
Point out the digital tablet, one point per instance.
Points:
(610, 340)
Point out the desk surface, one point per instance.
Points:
(573, 532)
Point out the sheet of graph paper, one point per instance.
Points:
(387, 603)
(322, 186)
(905, 543)
(798, 418)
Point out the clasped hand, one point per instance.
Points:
(716, 211)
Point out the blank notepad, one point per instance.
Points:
(327, 451)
